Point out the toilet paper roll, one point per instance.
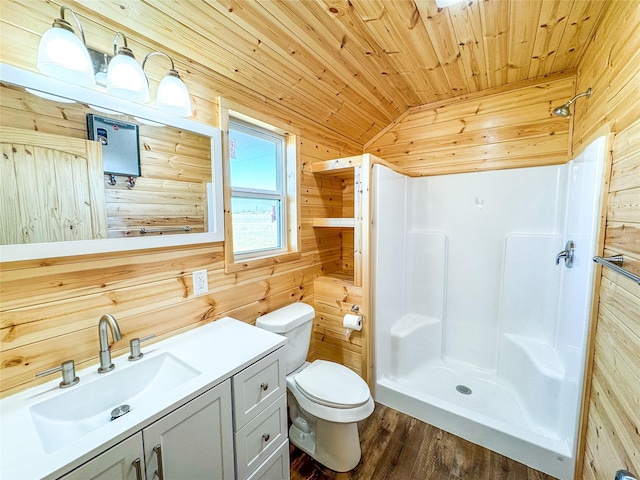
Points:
(351, 322)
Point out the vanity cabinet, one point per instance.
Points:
(235, 430)
(191, 442)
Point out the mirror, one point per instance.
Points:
(177, 200)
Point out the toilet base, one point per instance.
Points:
(334, 445)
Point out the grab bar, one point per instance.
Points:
(144, 231)
(615, 263)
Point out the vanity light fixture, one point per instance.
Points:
(446, 3)
(48, 96)
(125, 78)
(563, 110)
(172, 96)
(62, 55)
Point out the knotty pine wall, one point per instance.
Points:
(491, 129)
(611, 66)
(49, 308)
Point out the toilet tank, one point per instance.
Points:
(295, 322)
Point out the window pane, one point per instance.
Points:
(254, 160)
(256, 224)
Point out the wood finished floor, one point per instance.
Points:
(398, 447)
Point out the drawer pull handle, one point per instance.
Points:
(138, 467)
(266, 437)
(159, 472)
(264, 386)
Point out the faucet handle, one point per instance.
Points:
(68, 370)
(134, 344)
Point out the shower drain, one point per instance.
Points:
(463, 389)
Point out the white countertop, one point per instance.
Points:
(218, 350)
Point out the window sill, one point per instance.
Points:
(250, 264)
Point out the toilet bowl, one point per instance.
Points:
(325, 399)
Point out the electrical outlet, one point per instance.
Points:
(200, 282)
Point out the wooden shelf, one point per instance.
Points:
(336, 167)
(339, 277)
(334, 222)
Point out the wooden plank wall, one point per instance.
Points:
(334, 295)
(49, 308)
(611, 66)
(348, 196)
(487, 130)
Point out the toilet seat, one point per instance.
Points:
(349, 399)
(332, 385)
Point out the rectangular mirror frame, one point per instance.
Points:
(22, 78)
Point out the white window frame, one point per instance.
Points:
(279, 194)
(290, 209)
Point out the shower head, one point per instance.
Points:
(563, 110)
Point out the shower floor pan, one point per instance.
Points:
(474, 404)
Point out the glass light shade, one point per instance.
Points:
(173, 97)
(49, 96)
(125, 79)
(63, 56)
(446, 3)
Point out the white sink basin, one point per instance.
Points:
(85, 407)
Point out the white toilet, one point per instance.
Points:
(325, 399)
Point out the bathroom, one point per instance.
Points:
(50, 308)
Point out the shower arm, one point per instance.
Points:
(583, 94)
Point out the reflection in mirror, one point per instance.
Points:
(55, 188)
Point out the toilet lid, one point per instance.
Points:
(332, 384)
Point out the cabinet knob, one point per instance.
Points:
(264, 386)
(266, 437)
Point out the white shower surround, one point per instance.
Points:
(466, 292)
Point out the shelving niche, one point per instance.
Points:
(337, 292)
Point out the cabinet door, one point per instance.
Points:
(121, 462)
(195, 441)
(58, 184)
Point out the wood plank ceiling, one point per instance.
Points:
(356, 65)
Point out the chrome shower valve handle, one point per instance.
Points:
(567, 254)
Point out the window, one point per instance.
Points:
(262, 211)
(258, 198)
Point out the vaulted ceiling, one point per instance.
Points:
(356, 65)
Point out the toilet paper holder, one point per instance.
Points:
(352, 321)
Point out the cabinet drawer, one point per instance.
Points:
(258, 386)
(276, 467)
(257, 440)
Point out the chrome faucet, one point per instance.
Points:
(105, 353)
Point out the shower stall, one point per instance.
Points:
(480, 325)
